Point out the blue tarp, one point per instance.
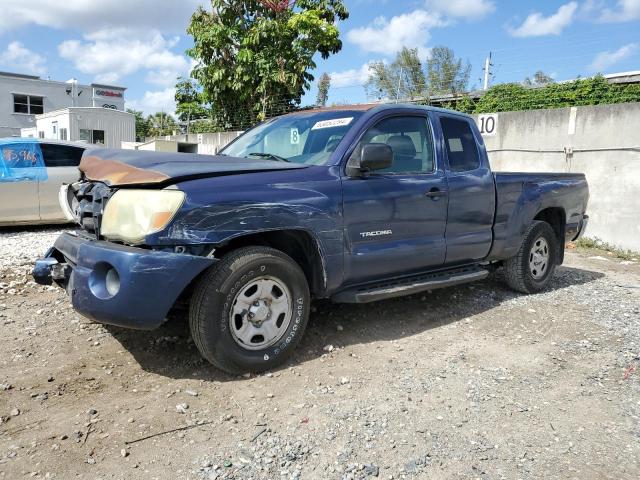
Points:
(21, 160)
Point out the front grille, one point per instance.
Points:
(88, 205)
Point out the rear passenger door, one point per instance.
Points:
(472, 199)
(18, 184)
(62, 168)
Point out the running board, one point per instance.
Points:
(410, 285)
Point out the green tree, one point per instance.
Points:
(324, 84)
(402, 79)
(539, 79)
(189, 101)
(142, 125)
(254, 56)
(446, 73)
(161, 124)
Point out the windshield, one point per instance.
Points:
(307, 138)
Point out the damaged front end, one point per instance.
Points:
(111, 276)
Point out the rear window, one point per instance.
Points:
(461, 145)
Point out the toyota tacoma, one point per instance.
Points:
(353, 204)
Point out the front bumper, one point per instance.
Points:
(116, 284)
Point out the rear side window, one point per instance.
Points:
(461, 145)
(61, 155)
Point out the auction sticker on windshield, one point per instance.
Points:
(336, 122)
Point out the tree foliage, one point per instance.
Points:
(514, 97)
(402, 79)
(539, 79)
(324, 84)
(446, 73)
(161, 124)
(254, 57)
(142, 125)
(189, 102)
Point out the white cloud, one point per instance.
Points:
(625, 11)
(109, 55)
(89, 15)
(350, 78)
(155, 101)
(467, 9)
(605, 60)
(389, 36)
(18, 58)
(536, 24)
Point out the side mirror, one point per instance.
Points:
(375, 156)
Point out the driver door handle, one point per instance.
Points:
(436, 193)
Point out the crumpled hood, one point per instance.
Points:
(137, 167)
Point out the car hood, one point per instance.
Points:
(136, 167)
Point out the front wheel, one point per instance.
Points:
(249, 311)
(532, 268)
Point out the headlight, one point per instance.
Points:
(131, 215)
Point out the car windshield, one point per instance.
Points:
(306, 138)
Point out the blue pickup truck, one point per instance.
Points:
(353, 204)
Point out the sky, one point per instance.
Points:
(141, 44)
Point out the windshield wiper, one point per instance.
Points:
(268, 156)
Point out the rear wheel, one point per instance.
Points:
(250, 310)
(532, 268)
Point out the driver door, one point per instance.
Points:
(395, 219)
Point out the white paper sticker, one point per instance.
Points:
(336, 122)
(295, 136)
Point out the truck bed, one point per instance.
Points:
(519, 195)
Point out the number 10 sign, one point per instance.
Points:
(488, 124)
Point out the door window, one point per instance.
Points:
(410, 140)
(460, 143)
(61, 155)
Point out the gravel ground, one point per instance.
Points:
(468, 382)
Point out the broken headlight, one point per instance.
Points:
(131, 215)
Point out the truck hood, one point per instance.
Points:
(135, 167)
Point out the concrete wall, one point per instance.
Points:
(208, 143)
(605, 141)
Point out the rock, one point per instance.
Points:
(124, 453)
(92, 412)
(269, 395)
(371, 470)
(14, 412)
(339, 328)
(182, 408)
(344, 381)
(50, 378)
(5, 386)
(328, 348)
(191, 393)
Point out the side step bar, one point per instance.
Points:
(410, 285)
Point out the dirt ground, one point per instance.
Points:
(469, 382)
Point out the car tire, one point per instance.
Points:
(532, 268)
(249, 311)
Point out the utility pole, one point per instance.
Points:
(399, 84)
(487, 71)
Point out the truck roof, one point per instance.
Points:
(365, 107)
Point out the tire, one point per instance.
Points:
(234, 324)
(526, 272)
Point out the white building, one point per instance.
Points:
(96, 125)
(22, 97)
